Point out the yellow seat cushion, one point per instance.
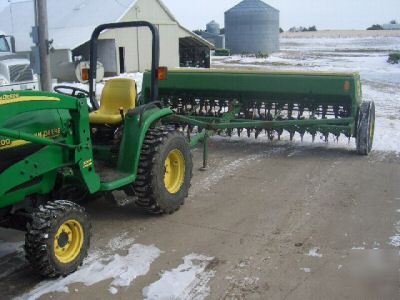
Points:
(119, 93)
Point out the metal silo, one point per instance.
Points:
(213, 27)
(252, 26)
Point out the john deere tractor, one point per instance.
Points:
(56, 151)
(55, 146)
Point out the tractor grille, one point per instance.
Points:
(20, 73)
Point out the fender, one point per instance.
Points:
(135, 129)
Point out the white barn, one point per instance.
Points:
(71, 23)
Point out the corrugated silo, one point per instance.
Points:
(252, 26)
(213, 27)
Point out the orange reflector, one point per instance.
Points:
(347, 85)
(85, 74)
(162, 73)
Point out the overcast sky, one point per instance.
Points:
(325, 14)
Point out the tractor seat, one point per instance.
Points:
(117, 94)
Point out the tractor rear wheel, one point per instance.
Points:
(366, 128)
(165, 171)
(58, 238)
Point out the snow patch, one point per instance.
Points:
(306, 270)
(113, 290)
(188, 281)
(358, 248)
(395, 240)
(120, 242)
(314, 252)
(100, 266)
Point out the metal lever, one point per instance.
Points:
(121, 112)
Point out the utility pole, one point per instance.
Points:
(43, 43)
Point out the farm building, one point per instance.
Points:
(252, 26)
(71, 23)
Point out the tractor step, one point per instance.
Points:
(108, 173)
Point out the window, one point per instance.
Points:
(4, 46)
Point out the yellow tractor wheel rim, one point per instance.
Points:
(174, 171)
(68, 241)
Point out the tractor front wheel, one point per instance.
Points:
(165, 171)
(57, 238)
(366, 128)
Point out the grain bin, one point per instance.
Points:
(213, 28)
(252, 26)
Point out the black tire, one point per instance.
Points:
(150, 188)
(41, 235)
(366, 128)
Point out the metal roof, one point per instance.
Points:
(71, 22)
(213, 22)
(251, 6)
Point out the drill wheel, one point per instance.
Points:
(165, 171)
(366, 128)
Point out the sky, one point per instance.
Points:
(325, 14)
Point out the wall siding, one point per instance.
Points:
(137, 42)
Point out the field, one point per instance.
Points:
(280, 220)
(342, 34)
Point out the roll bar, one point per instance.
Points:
(154, 62)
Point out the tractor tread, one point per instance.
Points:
(144, 190)
(39, 233)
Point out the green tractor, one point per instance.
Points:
(55, 146)
(55, 152)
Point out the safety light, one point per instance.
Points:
(85, 74)
(162, 73)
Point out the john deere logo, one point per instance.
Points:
(9, 97)
(87, 163)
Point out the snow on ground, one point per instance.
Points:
(306, 270)
(314, 252)
(367, 55)
(395, 240)
(105, 264)
(122, 261)
(188, 281)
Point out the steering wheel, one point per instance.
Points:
(74, 91)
